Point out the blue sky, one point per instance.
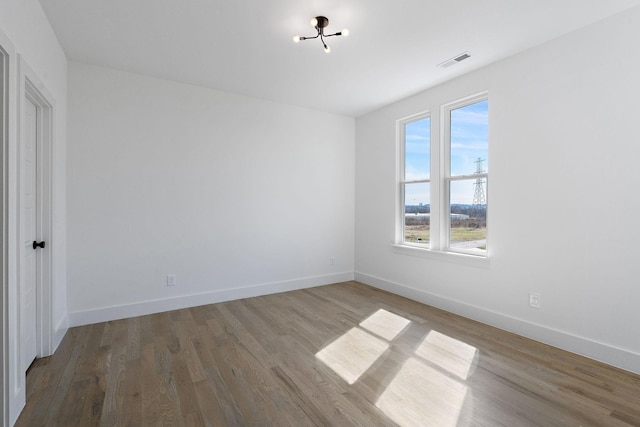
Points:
(469, 137)
(469, 141)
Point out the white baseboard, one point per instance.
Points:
(608, 354)
(104, 314)
(58, 333)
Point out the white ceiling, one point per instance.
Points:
(246, 47)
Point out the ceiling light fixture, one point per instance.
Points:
(320, 23)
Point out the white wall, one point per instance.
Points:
(235, 196)
(24, 24)
(565, 165)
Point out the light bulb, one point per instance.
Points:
(296, 38)
(314, 22)
(327, 48)
(345, 32)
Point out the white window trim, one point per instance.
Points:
(400, 168)
(444, 256)
(440, 177)
(445, 176)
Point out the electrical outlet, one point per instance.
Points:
(332, 261)
(171, 280)
(534, 300)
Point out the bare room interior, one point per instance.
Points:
(415, 213)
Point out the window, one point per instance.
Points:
(415, 182)
(444, 187)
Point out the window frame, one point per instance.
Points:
(447, 178)
(401, 168)
(440, 180)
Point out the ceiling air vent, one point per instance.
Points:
(454, 60)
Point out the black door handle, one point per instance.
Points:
(36, 244)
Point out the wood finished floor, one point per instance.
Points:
(338, 355)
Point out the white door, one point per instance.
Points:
(29, 229)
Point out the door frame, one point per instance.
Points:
(29, 85)
(6, 59)
(8, 130)
(17, 79)
(32, 88)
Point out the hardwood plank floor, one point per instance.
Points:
(337, 355)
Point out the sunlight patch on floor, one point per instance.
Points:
(385, 324)
(427, 390)
(421, 395)
(450, 354)
(352, 354)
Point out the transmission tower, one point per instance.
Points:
(479, 197)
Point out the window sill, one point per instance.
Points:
(452, 257)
